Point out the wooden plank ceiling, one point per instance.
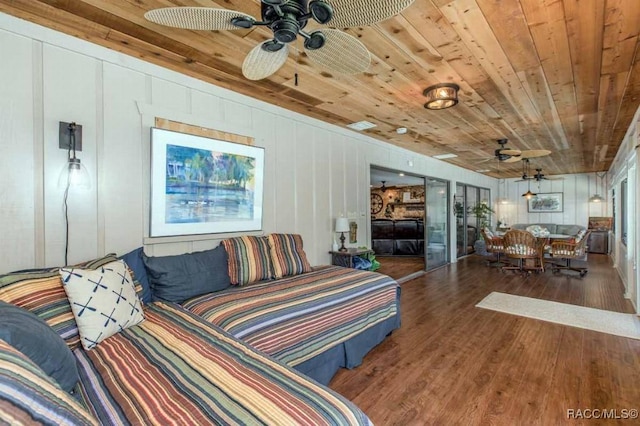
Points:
(562, 75)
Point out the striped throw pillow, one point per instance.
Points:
(287, 255)
(40, 291)
(29, 396)
(249, 259)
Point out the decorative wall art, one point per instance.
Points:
(202, 186)
(551, 202)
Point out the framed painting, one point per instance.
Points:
(201, 185)
(551, 202)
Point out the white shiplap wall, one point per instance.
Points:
(314, 171)
(576, 190)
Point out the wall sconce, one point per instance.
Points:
(74, 173)
(441, 96)
(342, 226)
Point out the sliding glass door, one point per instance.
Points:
(437, 194)
(470, 216)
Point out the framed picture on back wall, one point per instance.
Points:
(551, 202)
(202, 185)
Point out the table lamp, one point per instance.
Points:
(342, 226)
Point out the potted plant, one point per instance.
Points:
(482, 211)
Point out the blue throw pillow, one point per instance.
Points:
(34, 338)
(133, 259)
(181, 277)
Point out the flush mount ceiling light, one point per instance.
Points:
(441, 96)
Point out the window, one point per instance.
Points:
(623, 212)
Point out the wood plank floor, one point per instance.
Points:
(399, 267)
(453, 363)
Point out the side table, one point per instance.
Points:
(345, 258)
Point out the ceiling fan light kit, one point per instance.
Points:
(441, 96)
(329, 48)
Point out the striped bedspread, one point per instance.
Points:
(296, 318)
(174, 368)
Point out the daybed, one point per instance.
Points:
(175, 367)
(313, 319)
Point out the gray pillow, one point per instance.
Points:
(29, 334)
(134, 260)
(181, 277)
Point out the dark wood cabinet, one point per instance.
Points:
(598, 242)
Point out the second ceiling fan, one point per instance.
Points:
(512, 155)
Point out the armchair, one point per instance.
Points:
(526, 249)
(563, 252)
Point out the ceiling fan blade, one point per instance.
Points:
(533, 153)
(510, 151)
(341, 53)
(484, 160)
(512, 160)
(196, 18)
(261, 63)
(553, 178)
(356, 13)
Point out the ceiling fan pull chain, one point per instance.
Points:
(295, 75)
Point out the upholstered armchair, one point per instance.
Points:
(526, 249)
(563, 252)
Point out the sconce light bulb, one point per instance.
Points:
(75, 175)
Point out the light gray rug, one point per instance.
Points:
(616, 323)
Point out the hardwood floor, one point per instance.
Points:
(453, 363)
(398, 267)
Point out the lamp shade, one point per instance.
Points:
(342, 224)
(529, 195)
(597, 198)
(75, 175)
(441, 96)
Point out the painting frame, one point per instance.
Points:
(222, 193)
(548, 202)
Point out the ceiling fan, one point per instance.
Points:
(327, 47)
(538, 177)
(511, 155)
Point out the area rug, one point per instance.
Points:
(616, 323)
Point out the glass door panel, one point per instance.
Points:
(459, 209)
(437, 224)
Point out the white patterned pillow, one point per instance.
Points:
(104, 301)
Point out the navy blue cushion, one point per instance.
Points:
(32, 336)
(181, 277)
(134, 260)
